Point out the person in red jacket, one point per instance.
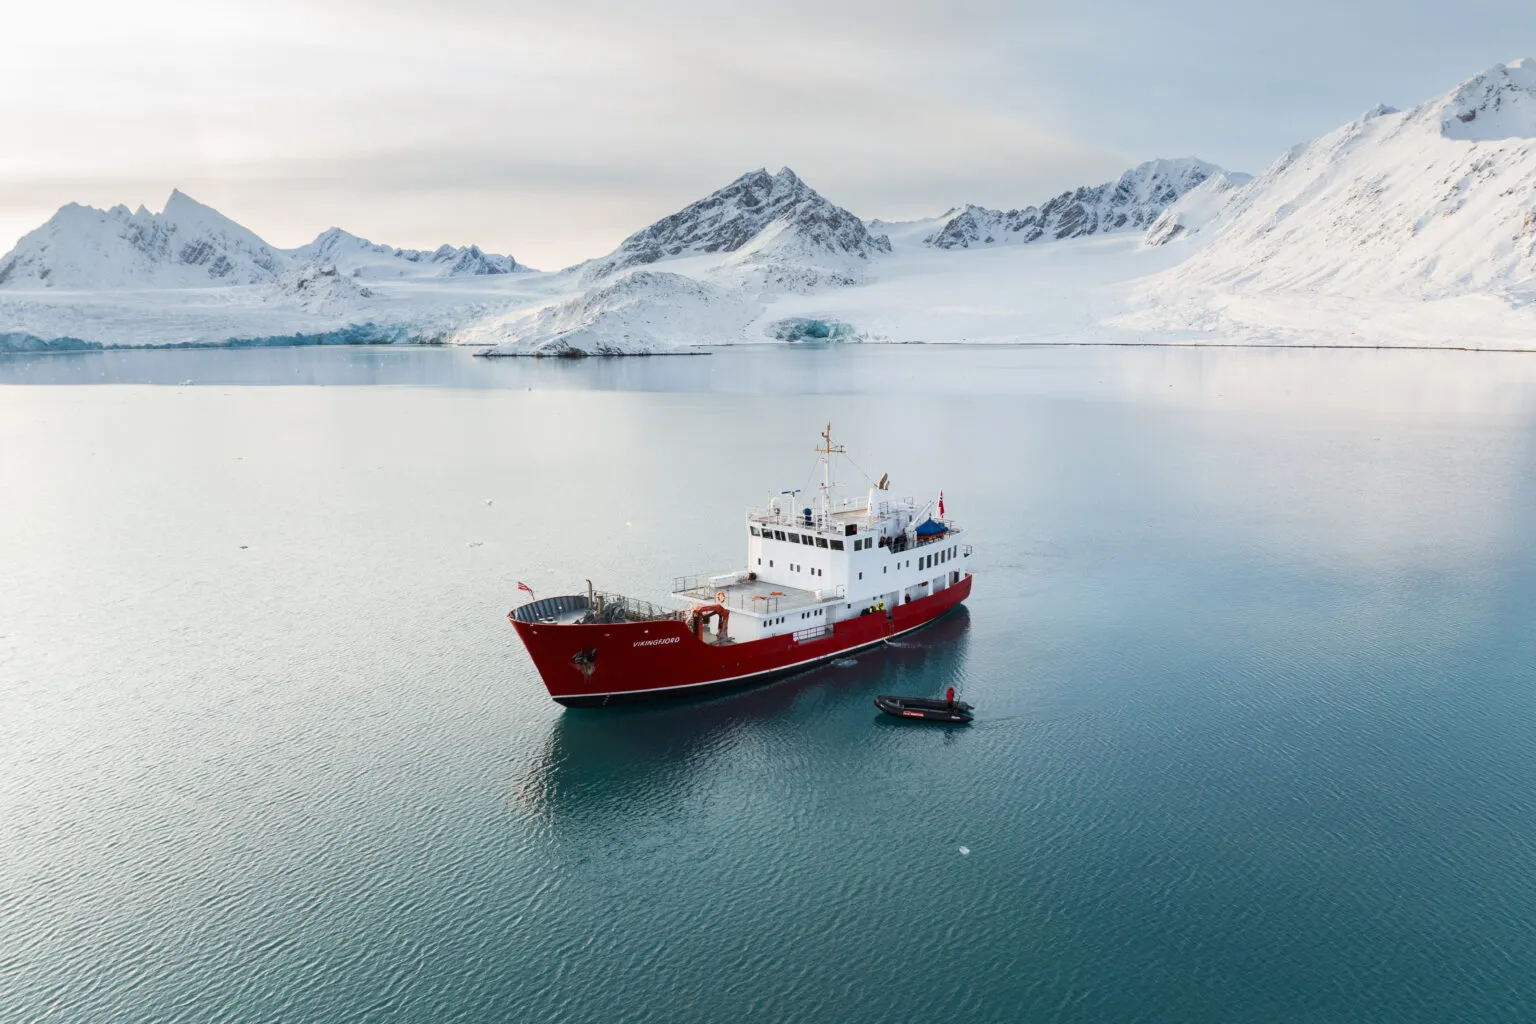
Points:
(949, 697)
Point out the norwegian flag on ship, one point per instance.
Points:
(523, 586)
(941, 504)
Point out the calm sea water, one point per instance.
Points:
(1252, 645)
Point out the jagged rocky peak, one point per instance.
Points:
(470, 261)
(726, 220)
(186, 244)
(1500, 103)
(1132, 202)
(362, 258)
(334, 242)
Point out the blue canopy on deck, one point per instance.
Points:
(929, 528)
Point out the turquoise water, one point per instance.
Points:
(1251, 645)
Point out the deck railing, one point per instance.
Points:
(601, 607)
(549, 608)
(702, 587)
(829, 523)
(802, 636)
(702, 581)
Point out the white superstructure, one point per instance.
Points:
(809, 566)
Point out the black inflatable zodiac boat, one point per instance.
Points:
(924, 709)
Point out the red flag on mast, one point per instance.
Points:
(941, 504)
(523, 586)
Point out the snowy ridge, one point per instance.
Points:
(1434, 204)
(190, 245)
(1132, 202)
(642, 312)
(186, 245)
(728, 219)
(319, 288)
(1196, 208)
(761, 236)
(361, 258)
(1500, 103)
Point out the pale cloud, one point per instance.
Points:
(550, 131)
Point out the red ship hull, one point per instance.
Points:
(601, 664)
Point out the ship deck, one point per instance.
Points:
(756, 597)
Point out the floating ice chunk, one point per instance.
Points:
(490, 501)
(474, 543)
(965, 851)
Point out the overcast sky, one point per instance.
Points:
(552, 130)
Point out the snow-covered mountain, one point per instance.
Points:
(318, 288)
(1414, 227)
(1196, 208)
(1132, 202)
(189, 244)
(1436, 203)
(361, 258)
(185, 245)
(709, 269)
(643, 312)
(190, 275)
(785, 217)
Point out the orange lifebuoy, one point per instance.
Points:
(720, 596)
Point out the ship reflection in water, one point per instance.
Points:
(638, 760)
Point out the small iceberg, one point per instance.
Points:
(809, 329)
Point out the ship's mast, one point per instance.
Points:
(827, 450)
